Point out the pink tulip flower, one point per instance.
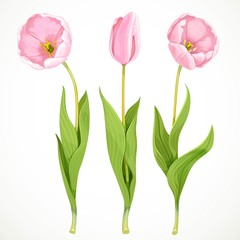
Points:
(44, 41)
(125, 39)
(193, 42)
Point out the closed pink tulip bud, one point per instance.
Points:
(44, 41)
(193, 42)
(125, 39)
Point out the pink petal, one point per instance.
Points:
(181, 55)
(197, 29)
(135, 40)
(43, 28)
(29, 48)
(177, 31)
(216, 47)
(122, 47)
(208, 43)
(133, 52)
(33, 65)
(53, 62)
(63, 22)
(115, 51)
(67, 38)
(39, 29)
(65, 35)
(175, 35)
(200, 34)
(64, 48)
(199, 58)
(124, 39)
(62, 51)
(207, 58)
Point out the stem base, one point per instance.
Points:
(125, 229)
(175, 228)
(74, 221)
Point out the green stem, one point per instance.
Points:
(123, 120)
(74, 220)
(175, 228)
(75, 92)
(123, 94)
(125, 228)
(176, 94)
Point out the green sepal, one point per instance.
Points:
(83, 131)
(161, 148)
(68, 133)
(131, 145)
(181, 167)
(65, 175)
(178, 125)
(116, 144)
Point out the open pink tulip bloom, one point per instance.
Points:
(125, 39)
(193, 42)
(44, 41)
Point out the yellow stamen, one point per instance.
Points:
(189, 46)
(48, 47)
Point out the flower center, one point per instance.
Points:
(189, 46)
(48, 47)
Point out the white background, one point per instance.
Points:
(33, 202)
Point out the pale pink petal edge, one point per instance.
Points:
(64, 48)
(33, 65)
(181, 55)
(137, 41)
(53, 62)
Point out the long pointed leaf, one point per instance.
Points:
(67, 130)
(65, 175)
(131, 145)
(177, 127)
(131, 114)
(77, 158)
(116, 144)
(180, 169)
(161, 148)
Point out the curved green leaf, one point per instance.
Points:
(131, 114)
(161, 148)
(131, 145)
(179, 170)
(67, 130)
(177, 127)
(77, 158)
(116, 144)
(64, 170)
